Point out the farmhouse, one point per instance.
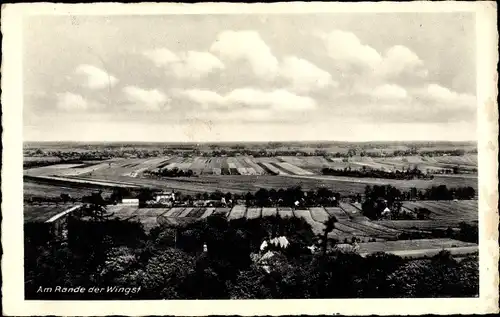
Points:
(164, 197)
(386, 211)
(130, 201)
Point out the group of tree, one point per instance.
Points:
(440, 192)
(283, 197)
(408, 174)
(171, 172)
(292, 197)
(171, 263)
(379, 197)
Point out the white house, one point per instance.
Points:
(130, 201)
(165, 197)
(386, 211)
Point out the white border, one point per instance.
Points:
(12, 188)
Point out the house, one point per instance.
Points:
(386, 211)
(165, 197)
(130, 201)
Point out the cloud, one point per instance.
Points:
(446, 97)
(204, 97)
(389, 91)
(95, 77)
(399, 59)
(304, 75)
(251, 98)
(345, 47)
(161, 56)
(146, 100)
(190, 64)
(280, 99)
(196, 64)
(239, 115)
(70, 101)
(247, 46)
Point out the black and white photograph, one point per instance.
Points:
(243, 154)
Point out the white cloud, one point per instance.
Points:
(255, 115)
(70, 101)
(204, 97)
(304, 75)
(446, 97)
(280, 99)
(196, 64)
(346, 47)
(144, 99)
(399, 59)
(247, 46)
(389, 91)
(250, 47)
(251, 98)
(161, 56)
(95, 77)
(190, 64)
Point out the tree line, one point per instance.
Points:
(171, 172)
(380, 197)
(408, 174)
(95, 153)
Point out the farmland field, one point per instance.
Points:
(43, 212)
(319, 214)
(43, 190)
(408, 245)
(345, 228)
(285, 212)
(237, 212)
(337, 212)
(253, 213)
(317, 227)
(245, 183)
(418, 224)
(241, 174)
(463, 210)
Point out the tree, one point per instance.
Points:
(65, 197)
(145, 195)
(329, 226)
(262, 197)
(249, 197)
(95, 207)
(163, 275)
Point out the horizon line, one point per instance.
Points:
(248, 141)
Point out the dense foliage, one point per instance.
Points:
(173, 172)
(169, 263)
(380, 197)
(408, 174)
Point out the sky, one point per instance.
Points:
(250, 77)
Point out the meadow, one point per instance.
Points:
(236, 174)
(350, 222)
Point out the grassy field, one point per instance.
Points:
(465, 210)
(350, 225)
(402, 245)
(43, 212)
(244, 173)
(244, 183)
(36, 189)
(247, 165)
(418, 248)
